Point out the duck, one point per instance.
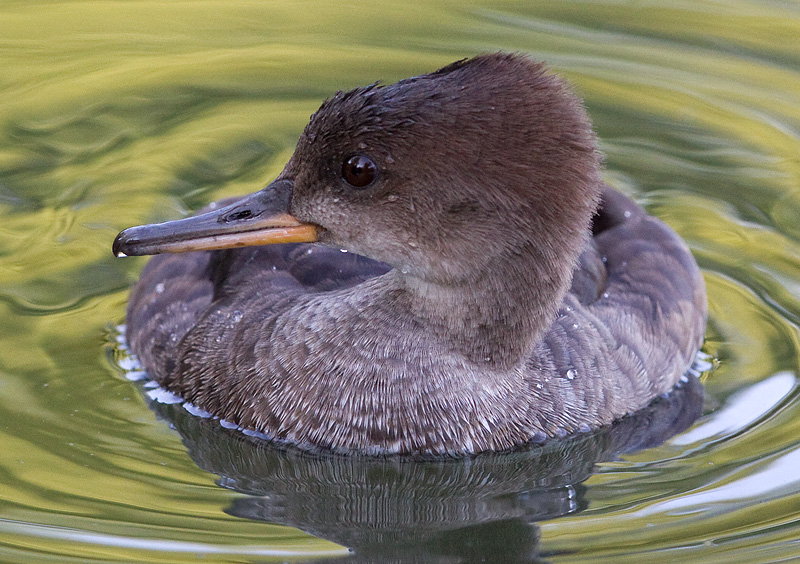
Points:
(439, 269)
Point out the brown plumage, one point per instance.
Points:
(485, 301)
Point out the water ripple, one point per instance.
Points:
(116, 114)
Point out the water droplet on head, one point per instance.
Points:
(626, 213)
(392, 198)
(389, 159)
(362, 145)
(605, 294)
(160, 288)
(237, 316)
(571, 373)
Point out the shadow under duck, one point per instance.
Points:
(494, 291)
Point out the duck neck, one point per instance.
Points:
(494, 317)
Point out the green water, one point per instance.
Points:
(123, 112)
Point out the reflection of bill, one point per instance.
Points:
(400, 509)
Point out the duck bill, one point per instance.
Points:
(262, 218)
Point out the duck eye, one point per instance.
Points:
(359, 171)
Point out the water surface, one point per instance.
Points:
(119, 113)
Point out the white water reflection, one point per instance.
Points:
(150, 544)
(742, 409)
(769, 478)
(775, 479)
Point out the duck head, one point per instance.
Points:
(437, 175)
(483, 174)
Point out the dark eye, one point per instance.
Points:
(359, 171)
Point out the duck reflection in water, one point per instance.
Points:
(402, 509)
(495, 292)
